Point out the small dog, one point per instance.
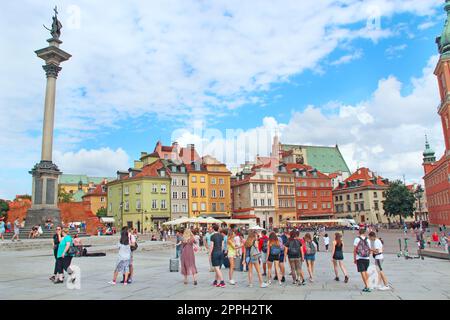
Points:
(373, 277)
(74, 278)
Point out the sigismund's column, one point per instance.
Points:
(46, 173)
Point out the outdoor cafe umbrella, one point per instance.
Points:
(257, 228)
(177, 221)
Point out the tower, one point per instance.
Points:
(442, 73)
(46, 173)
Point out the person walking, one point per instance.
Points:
(2, 229)
(188, 257)
(316, 240)
(64, 256)
(262, 247)
(310, 256)
(231, 246)
(216, 254)
(133, 246)
(376, 247)
(283, 238)
(208, 235)
(56, 240)
(326, 241)
(337, 252)
(361, 257)
(178, 244)
(273, 257)
(251, 256)
(293, 250)
(124, 257)
(16, 230)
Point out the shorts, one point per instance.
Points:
(16, 232)
(379, 263)
(273, 257)
(282, 257)
(362, 265)
(217, 259)
(123, 266)
(338, 256)
(263, 257)
(310, 257)
(2, 231)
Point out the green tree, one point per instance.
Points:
(64, 196)
(4, 208)
(101, 212)
(400, 201)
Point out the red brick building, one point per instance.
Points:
(313, 192)
(437, 173)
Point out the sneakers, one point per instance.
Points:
(283, 279)
(384, 288)
(366, 290)
(346, 279)
(52, 278)
(336, 279)
(232, 282)
(214, 283)
(112, 283)
(195, 283)
(250, 285)
(264, 285)
(58, 281)
(303, 282)
(275, 278)
(220, 285)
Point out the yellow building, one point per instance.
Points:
(198, 189)
(219, 185)
(96, 199)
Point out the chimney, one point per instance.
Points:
(191, 148)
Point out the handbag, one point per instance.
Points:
(72, 250)
(134, 247)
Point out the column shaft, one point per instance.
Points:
(49, 115)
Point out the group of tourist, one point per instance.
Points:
(262, 253)
(127, 244)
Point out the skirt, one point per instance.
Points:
(123, 266)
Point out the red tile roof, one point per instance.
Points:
(290, 167)
(367, 178)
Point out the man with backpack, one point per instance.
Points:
(262, 246)
(293, 250)
(361, 257)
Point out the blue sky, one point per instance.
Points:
(317, 72)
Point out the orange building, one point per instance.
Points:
(313, 192)
(97, 198)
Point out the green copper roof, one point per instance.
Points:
(324, 159)
(428, 154)
(76, 178)
(444, 40)
(78, 196)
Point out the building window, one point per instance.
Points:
(174, 182)
(262, 202)
(269, 188)
(213, 207)
(203, 206)
(162, 173)
(102, 199)
(194, 206)
(194, 179)
(336, 198)
(126, 190)
(154, 204)
(202, 179)
(375, 194)
(255, 202)
(138, 204)
(261, 187)
(110, 207)
(213, 180)
(222, 206)
(194, 192)
(314, 205)
(163, 188)
(349, 207)
(221, 181)
(202, 192)
(174, 195)
(183, 208)
(213, 193)
(183, 195)
(175, 208)
(154, 188)
(255, 188)
(269, 202)
(163, 204)
(324, 205)
(348, 198)
(138, 188)
(360, 195)
(222, 193)
(375, 205)
(305, 206)
(127, 205)
(314, 193)
(183, 182)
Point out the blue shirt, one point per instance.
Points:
(225, 240)
(62, 245)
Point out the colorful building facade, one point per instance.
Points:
(285, 204)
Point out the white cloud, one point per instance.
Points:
(96, 162)
(426, 25)
(385, 132)
(395, 51)
(347, 58)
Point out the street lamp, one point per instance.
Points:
(418, 194)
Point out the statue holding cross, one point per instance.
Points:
(55, 31)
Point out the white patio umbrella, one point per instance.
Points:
(257, 228)
(177, 221)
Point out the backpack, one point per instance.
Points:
(310, 248)
(294, 248)
(363, 248)
(275, 250)
(264, 245)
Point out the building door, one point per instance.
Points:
(130, 224)
(139, 226)
(363, 219)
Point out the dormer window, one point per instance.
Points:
(162, 173)
(174, 169)
(182, 169)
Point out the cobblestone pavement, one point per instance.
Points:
(24, 275)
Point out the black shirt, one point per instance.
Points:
(55, 240)
(217, 239)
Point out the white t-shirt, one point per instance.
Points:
(377, 245)
(357, 240)
(326, 240)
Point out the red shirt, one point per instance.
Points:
(303, 245)
(261, 241)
